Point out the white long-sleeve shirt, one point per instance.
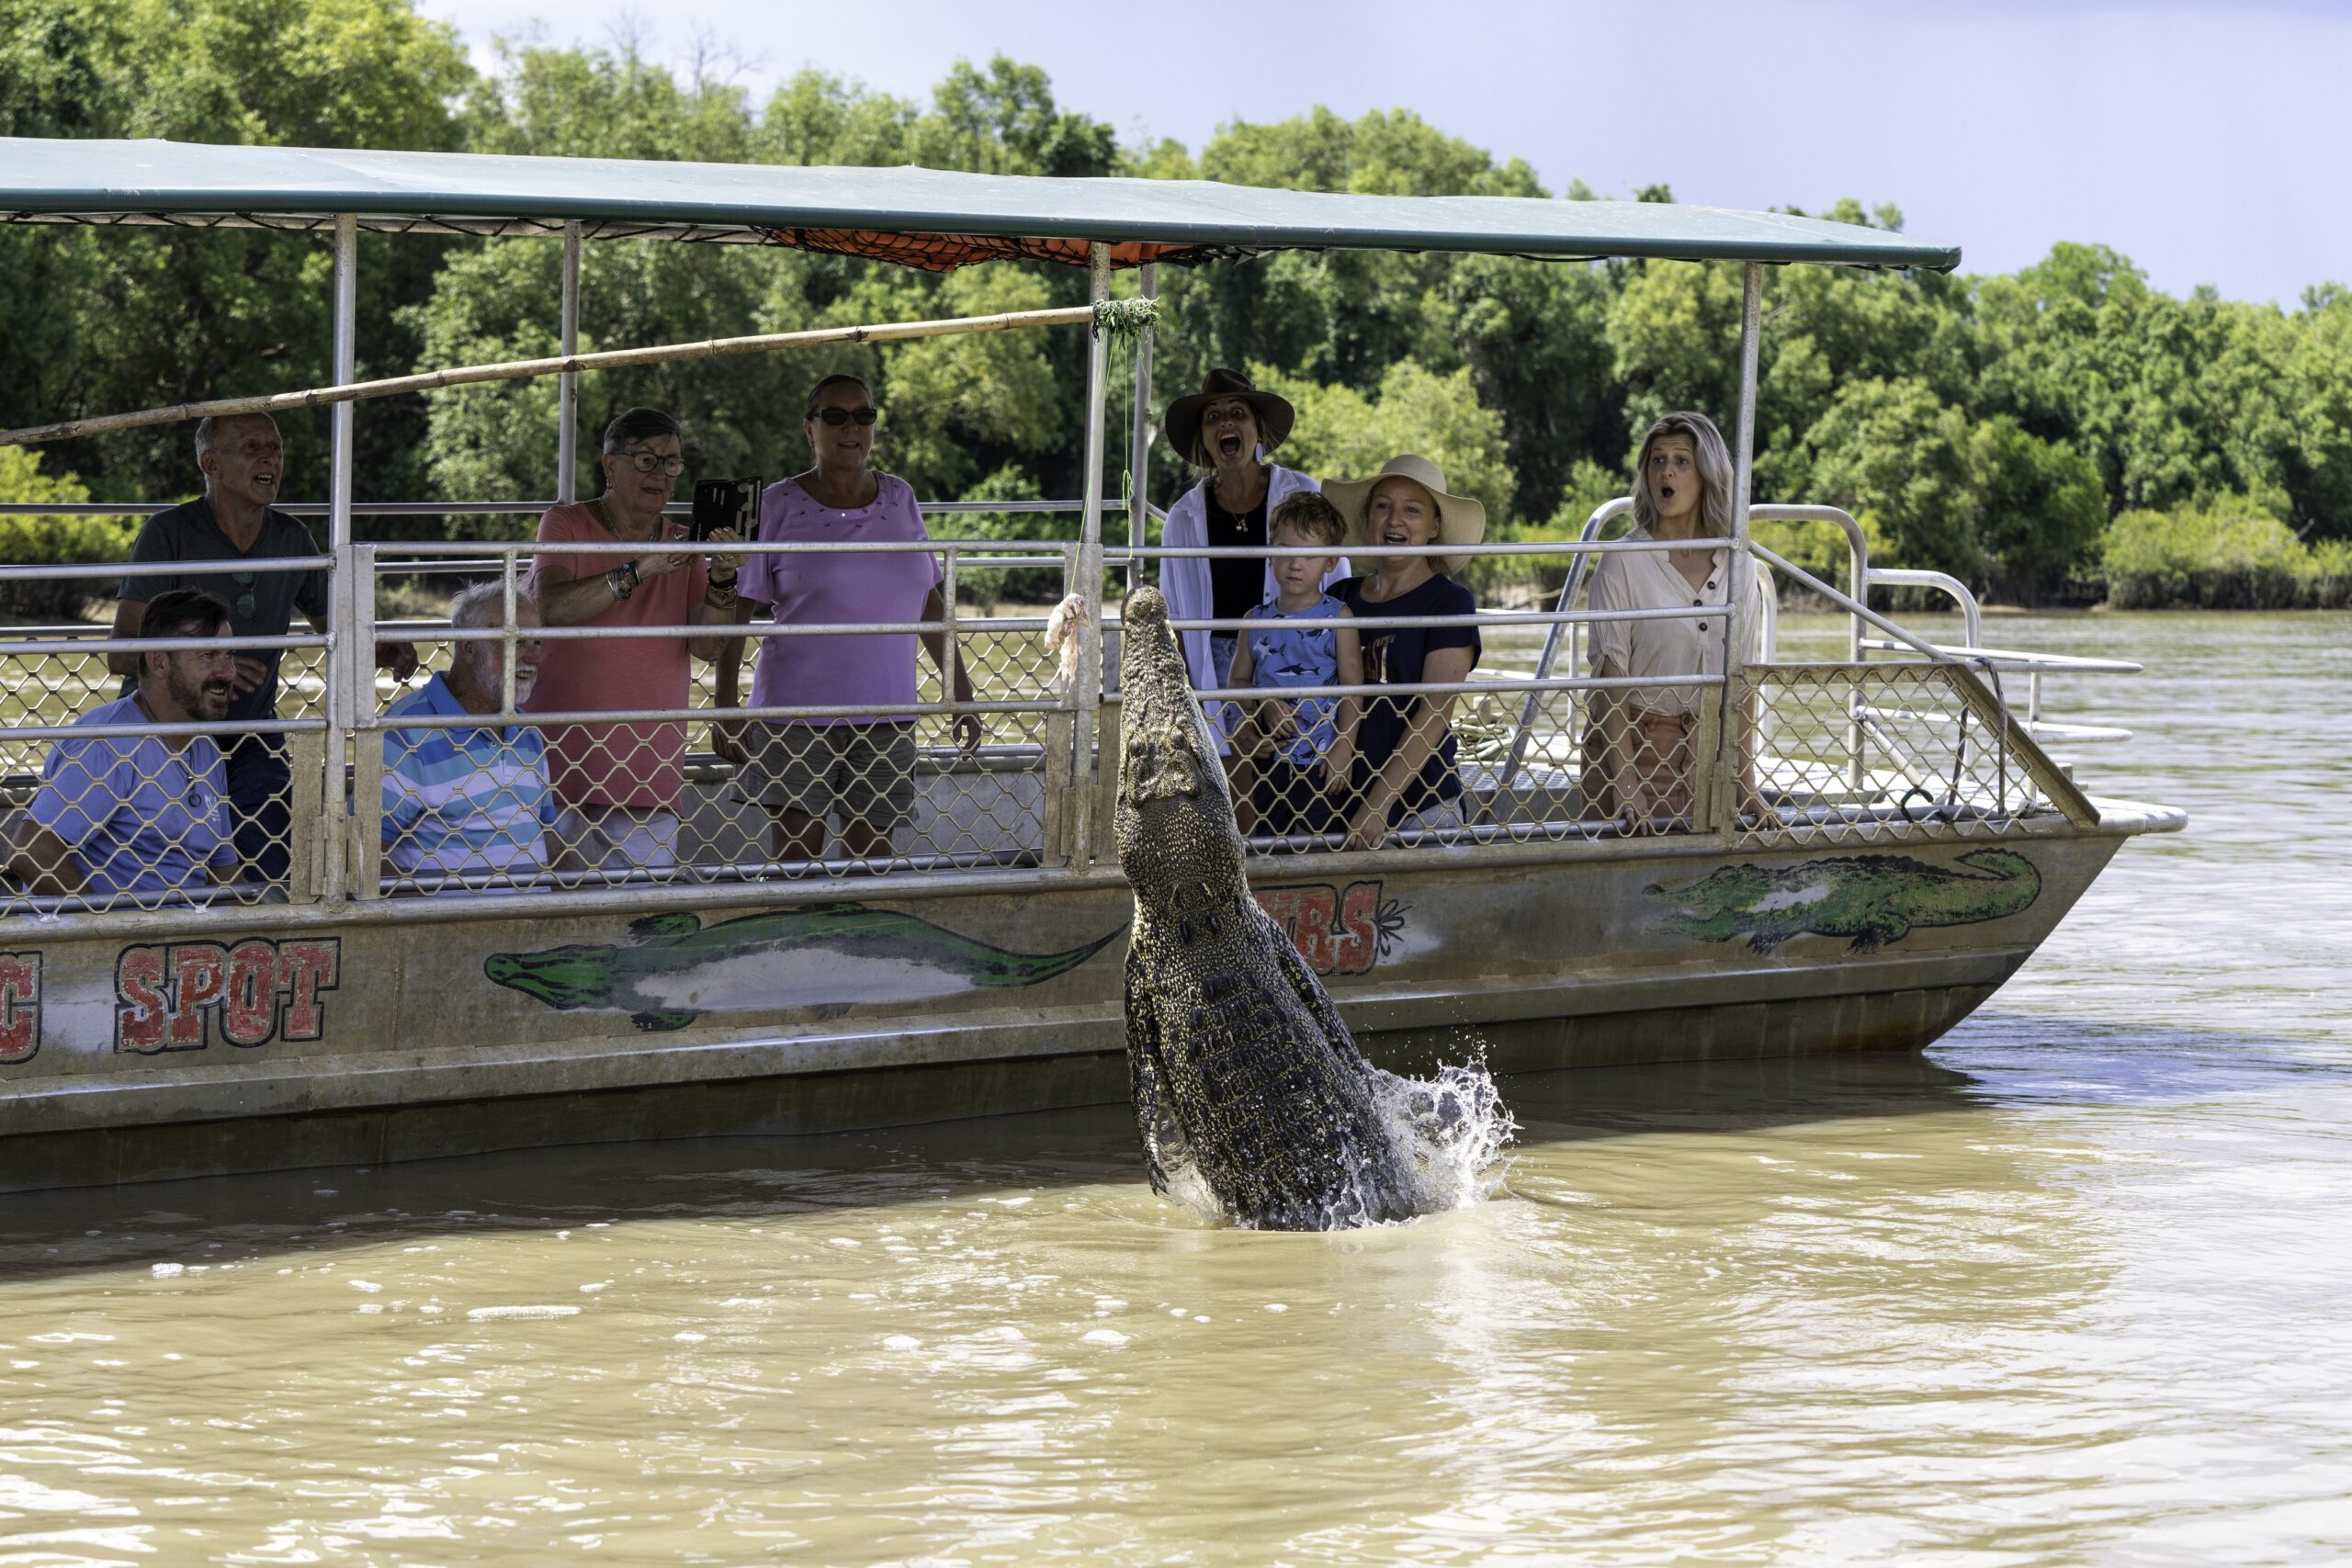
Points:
(1184, 580)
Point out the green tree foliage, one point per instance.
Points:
(1896, 453)
(63, 541)
(956, 409)
(2230, 555)
(1004, 121)
(1342, 433)
(121, 320)
(955, 401)
(2036, 508)
(1535, 338)
(1987, 426)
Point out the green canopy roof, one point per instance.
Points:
(896, 212)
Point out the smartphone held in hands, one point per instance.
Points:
(726, 504)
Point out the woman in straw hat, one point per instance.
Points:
(1405, 773)
(1639, 763)
(1227, 428)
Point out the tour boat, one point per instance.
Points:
(1876, 842)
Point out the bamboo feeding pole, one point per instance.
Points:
(522, 369)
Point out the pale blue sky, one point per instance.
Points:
(2211, 143)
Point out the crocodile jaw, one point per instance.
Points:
(1174, 817)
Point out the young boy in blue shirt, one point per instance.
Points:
(1291, 757)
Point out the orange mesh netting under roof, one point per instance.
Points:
(944, 252)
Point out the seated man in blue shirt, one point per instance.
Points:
(467, 801)
(141, 818)
(236, 519)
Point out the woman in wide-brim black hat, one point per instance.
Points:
(1227, 428)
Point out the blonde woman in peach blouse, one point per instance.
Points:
(1640, 767)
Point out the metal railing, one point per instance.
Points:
(1918, 747)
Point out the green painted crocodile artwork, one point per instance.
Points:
(829, 957)
(1875, 899)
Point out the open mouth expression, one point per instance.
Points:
(1673, 475)
(1231, 431)
(1402, 516)
(249, 457)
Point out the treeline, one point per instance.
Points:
(2041, 434)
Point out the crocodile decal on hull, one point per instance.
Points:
(829, 957)
(1249, 1093)
(1872, 900)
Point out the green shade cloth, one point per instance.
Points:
(876, 211)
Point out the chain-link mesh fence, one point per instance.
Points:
(127, 792)
(447, 791)
(1298, 787)
(1858, 753)
(1599, 759)
(708, 787)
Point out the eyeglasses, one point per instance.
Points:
(646, 462)
(843, 416)
(245, 603)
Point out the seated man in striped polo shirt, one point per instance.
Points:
(464, 801)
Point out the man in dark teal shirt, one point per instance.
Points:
(243, 462)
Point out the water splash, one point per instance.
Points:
(1453, 1130)
(1446, 1138)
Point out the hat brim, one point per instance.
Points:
(1183, 424)
(1461, 519)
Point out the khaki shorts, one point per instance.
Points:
(616, 838)
(866, 772)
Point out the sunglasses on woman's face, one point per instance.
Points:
(843, 416)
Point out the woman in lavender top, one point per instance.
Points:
(861, 765)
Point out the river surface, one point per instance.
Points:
(2076, 1287)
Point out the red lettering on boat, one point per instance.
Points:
(19, 1005)
(258, 991)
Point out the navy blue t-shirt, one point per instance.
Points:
(1393, 655)
(261, 601)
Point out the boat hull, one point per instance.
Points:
(282, 1038)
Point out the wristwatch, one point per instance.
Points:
(622, 580)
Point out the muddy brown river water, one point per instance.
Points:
(2073, 1287)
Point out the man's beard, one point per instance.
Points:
(190, 696)
(486, 679)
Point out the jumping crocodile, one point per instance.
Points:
(828, 958)
(1875, 899)
(1245, 1080)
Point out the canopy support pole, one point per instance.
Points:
(1736, 734)
(347, 659)
(567, 385)
(1140, 449)
(1089, 692)
(1751, 331)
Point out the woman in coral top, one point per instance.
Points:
(617, 786)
